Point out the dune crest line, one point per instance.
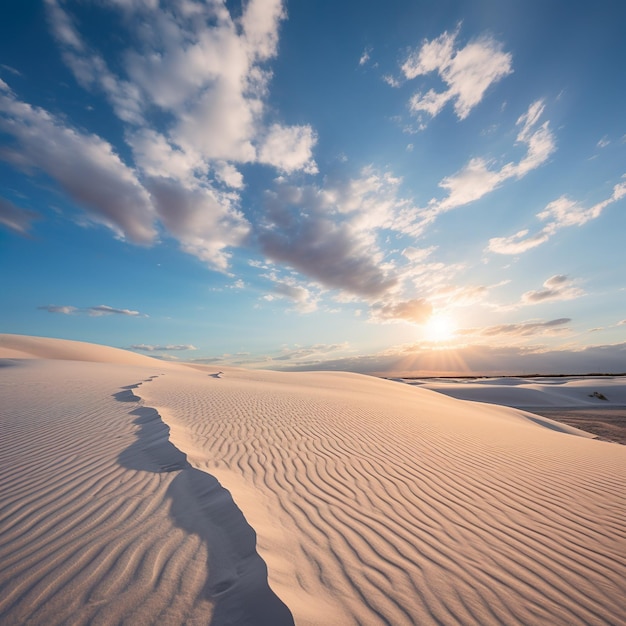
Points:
(236, 582)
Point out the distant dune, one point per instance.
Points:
(136, 491)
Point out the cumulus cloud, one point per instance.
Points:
(16, 219)
(289, 148)
(205, 221)
(560, 213)
(467, 72)
(162, 348)
(558, 287)
(204, 75)
(92, 311)
(330, 234)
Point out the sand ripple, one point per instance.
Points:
(375, 503)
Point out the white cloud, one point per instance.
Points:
(468, 72)
(518, 243)
(557, 287)
(90, 172)
(289, 148)
(558, 214)
(205, 73)
(479, 177)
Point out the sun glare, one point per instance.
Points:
(440, 328)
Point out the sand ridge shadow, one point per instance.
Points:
(236, 584)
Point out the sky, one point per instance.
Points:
(401, 188)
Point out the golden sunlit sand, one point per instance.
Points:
(136, 491)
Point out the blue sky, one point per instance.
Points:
(399, 187)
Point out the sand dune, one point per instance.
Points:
(354, 501)
(572, 392)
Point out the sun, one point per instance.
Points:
(440, 328)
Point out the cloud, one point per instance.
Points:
(288, 287)
(518, 243)
(330, 234)
(204, 220)
(365, 57)
(204, 75)
(159, 348)
(621, 323)
(522, 329)
(479, 177)
(92, 311)
(307, 353)
(53, 308)
(90, 172)
(289, 148)
(560, 213)
(421, 360)
(16, 219)
(558, 287)
(467, 72)
(416, 311)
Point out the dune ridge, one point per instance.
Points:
(361, 501)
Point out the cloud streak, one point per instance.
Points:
(16, 219)
(522, 329)
(162, 348)
(560, 213)
(93, 311)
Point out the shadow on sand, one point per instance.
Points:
(237, 583)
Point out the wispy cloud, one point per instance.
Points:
(560, 213)
(420, 360)
(521, 329)
(479, 177)
(162, 348)
(467, 72)
(16, 219)
(92, 311)
(558, 287)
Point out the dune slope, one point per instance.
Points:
(152, 493)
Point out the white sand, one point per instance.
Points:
(563, 392)
(371, 502)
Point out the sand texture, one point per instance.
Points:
(150, 493)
